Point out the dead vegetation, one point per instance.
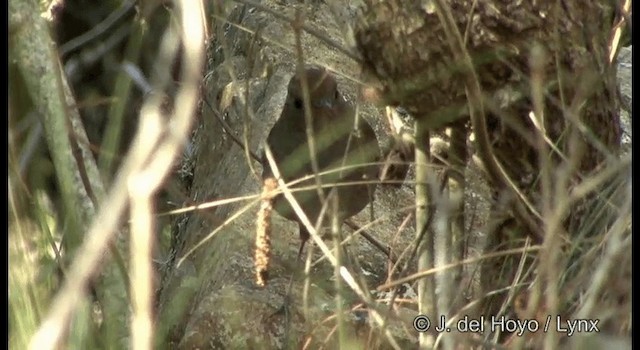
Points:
(511, 194)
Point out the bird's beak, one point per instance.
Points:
(324, 103)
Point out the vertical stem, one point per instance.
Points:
(308, 117)
(426, 288)
(142, 228)
(549, 254)
(442, 256)
(115, 120)
(337, 239)
(458, 160)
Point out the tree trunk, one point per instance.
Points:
(210, 298)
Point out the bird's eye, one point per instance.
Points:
(297, 103)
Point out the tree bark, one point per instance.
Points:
(211, 299)
(209, 295)
(407, 50)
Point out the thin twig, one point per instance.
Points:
(343, 272)
(98, 29)
(231, 133)
(476, 112)
(104, 226)
(421, 274)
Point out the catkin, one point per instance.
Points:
(263, 232)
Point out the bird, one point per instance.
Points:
(348, 147)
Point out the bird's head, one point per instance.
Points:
(322, 87)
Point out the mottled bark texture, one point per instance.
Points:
(406, 52)
(211, 300)
(404, 47)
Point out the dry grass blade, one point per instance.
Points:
(476, 112)
(420, 274)
(343, 272)
(156, 158)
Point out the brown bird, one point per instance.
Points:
(350, 150)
